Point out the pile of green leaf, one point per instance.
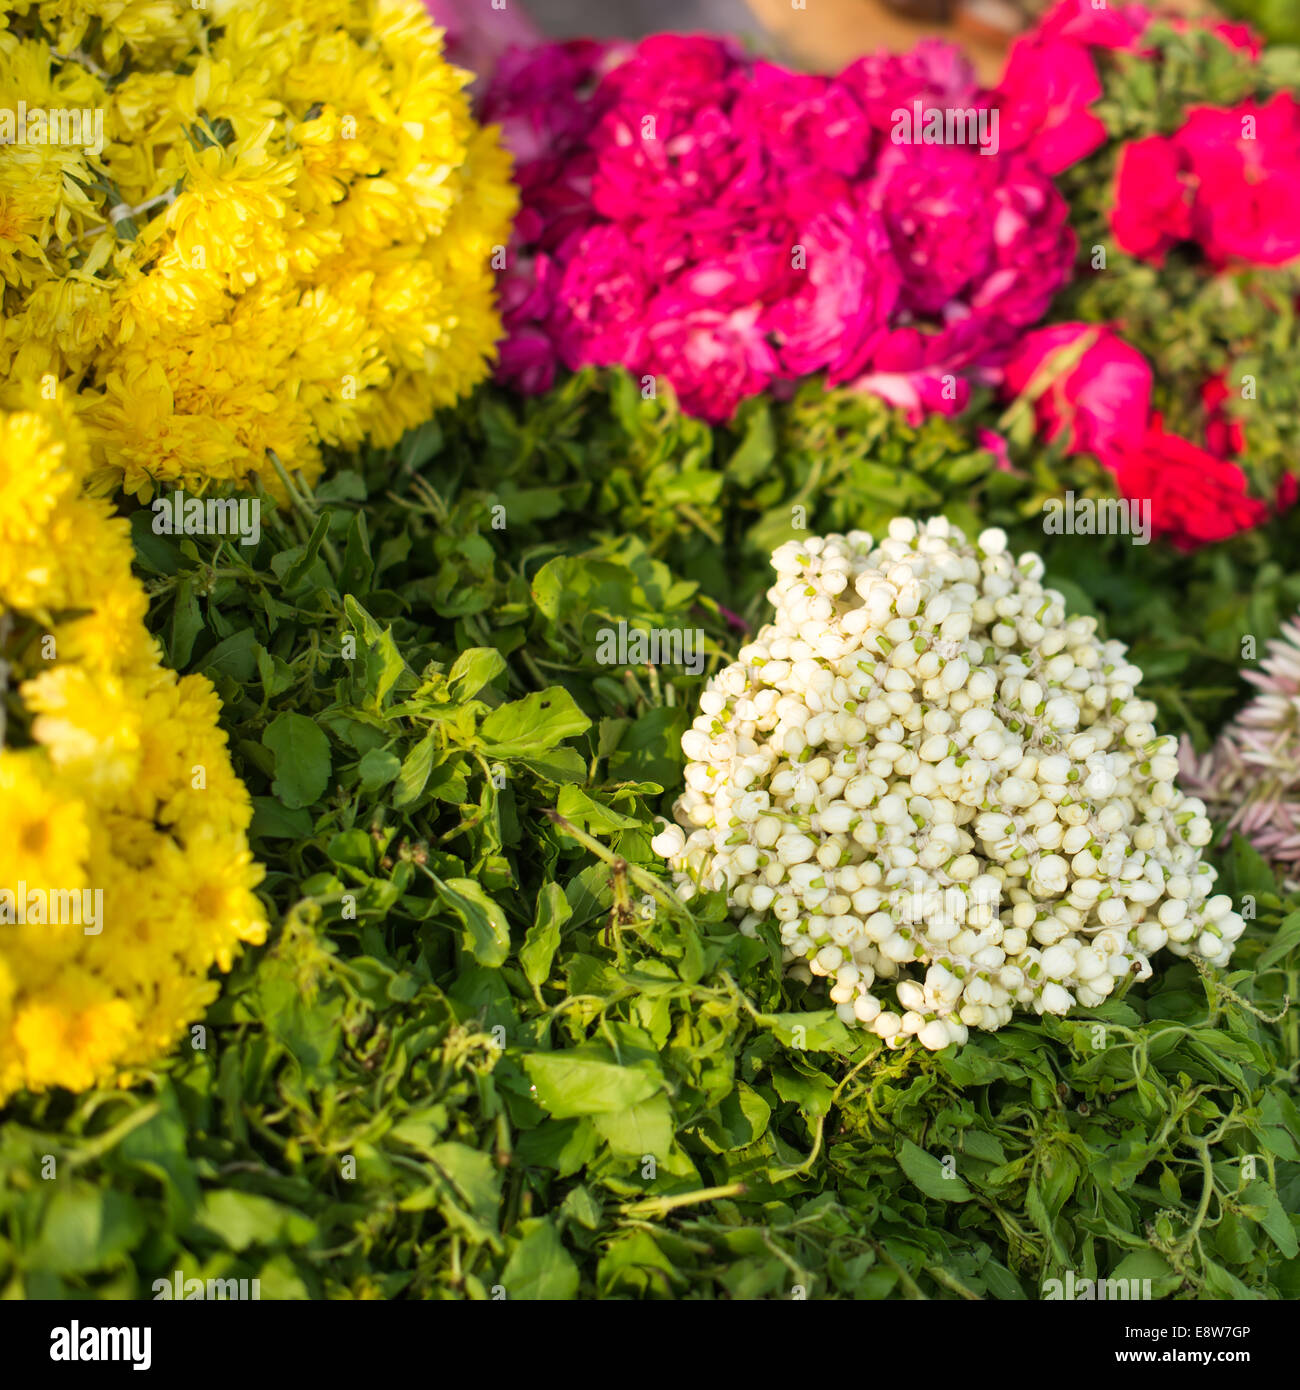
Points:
(488, 1054)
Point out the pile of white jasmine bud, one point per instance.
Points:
(947, 792)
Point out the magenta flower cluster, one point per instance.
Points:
(694, 214)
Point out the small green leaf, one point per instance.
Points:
(486, 936)
(931, 1176)
(302, 759)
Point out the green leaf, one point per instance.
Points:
(472, 1186)
(474, 668)
(533, 725)
(543, 937)
(1274, 1220)
(1286, 940)
(302, 759)
(640, 1130)
(930, 1175)
(236, 657)
(576, 806)
(816, 1031)
(587, 1080)
(273, 821)
(539, 1267)
(486, 936)
(416, 767)
(85, 1230)
(187, 623)
(377, 769)
(241, 1219)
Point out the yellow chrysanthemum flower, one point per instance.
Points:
(125, 872)
(276, 234)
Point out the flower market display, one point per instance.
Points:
(746, 750)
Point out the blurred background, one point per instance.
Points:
(826, 34)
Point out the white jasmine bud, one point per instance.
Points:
(922, 769)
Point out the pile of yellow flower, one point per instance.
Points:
(257, 225)
(125, 872)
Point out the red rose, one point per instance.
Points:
(1043, 98)
(1246, 165)
(1153, 199)
(1195, 498)
(1224, 434)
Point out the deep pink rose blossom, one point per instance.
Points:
(935, 73)
(1115, 26)
(1245, 165)
(1239, 36)
(540, 97)
(713, 220)
(803, 120)
(669, 161)
(714, 358)
(973, 235)
(995, 444)
(850, 287)
(1225, 436)
(1044, 96)
(1153, 199)
(601, 300)
(1096, 406)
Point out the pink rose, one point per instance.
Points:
(1099, 404)
(526, 295)
(540, 97)
(1106, 26)
(1239, 36)
(993, 443)
(917, 393)
(972, 235)
(1044, 96)
(714, 358)
(1153, 199)
(556, 199)
(929, 372)
(848, 289)
(527, 360)
(683, 71)
(1246, 165)
(736, 270)
(804, 120)
(690, 161)
(601, 299)
(937, 74)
